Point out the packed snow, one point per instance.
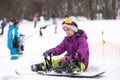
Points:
(102, 56)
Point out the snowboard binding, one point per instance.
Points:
(48, 61)
(39, 67)
(48, 66)
(69, 67)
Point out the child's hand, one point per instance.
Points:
(65, 61)
(48, 52)
(76, 56)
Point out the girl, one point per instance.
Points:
(75, 44)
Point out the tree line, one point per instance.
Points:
(91, 9)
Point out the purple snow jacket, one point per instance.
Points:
(74, 44)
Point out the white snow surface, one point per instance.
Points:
(105, 58)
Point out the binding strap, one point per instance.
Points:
(48, 62)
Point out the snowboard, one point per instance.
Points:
(85, 74)
(74, 75)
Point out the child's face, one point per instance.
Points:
(68, 31)
(10, 23)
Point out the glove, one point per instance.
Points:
(76, 56)
(68, 58)
(48, 52)
(65, 61)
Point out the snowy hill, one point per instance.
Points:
(105, 56)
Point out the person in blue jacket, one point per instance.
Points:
(13, 39)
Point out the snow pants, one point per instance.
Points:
(14, 53)
(56, 61)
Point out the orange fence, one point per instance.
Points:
(104, 49)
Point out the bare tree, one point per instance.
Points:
(19, 9)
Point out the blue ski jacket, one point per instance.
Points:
(12, 33)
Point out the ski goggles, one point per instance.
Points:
(68, 22)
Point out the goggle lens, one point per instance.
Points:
(67, 21)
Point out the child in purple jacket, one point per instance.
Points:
(75, 44)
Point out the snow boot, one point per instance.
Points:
(37, 67)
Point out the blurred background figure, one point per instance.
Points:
(21, 44)
(54, 21)
(53, 17)
(3, 24)
(42, 25)
(55, 27)
(35, 19)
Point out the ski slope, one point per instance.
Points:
(101, 57)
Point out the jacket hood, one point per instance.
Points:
(82, 34)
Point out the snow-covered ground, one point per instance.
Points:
(105, 56)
